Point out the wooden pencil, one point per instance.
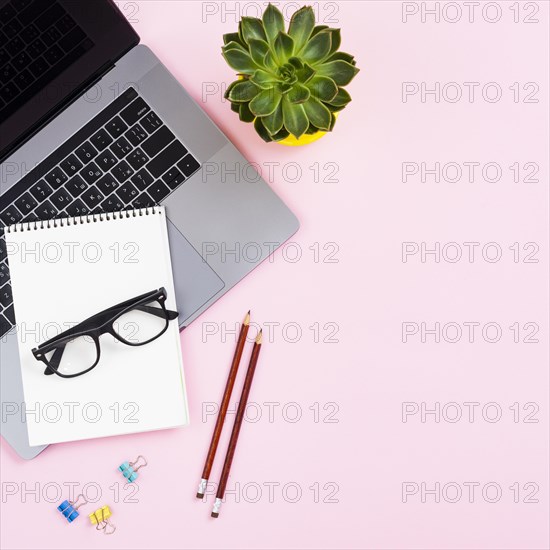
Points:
(224, 405)
(237, 425)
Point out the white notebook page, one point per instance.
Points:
(63, 275)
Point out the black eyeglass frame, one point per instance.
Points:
(103, 323)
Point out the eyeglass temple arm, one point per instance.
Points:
(159, 312)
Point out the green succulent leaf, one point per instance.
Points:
(305, 74)
(270, 63)
(236, 107)
(340, 71)
(295, 118)
(343, 56)
(317, 48)
(232, 37)
(332, 122)
(264, 79)
(336, 40)
(240, 61)
(262, 130)
(258, 50)
(283, 47)
(298, 93)
(282, 134)
(318, 114)
(301, 26)
(274, 22)
(312, 129)
(274, 121)
(243, 91)
(252, 29)
(265, 102)
(322, 88)
(341, 99)
(318, 29)
(234, 46)
(296, 62)
(245, 114)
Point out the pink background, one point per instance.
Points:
(349, 461)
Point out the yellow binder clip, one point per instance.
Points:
(100, 518)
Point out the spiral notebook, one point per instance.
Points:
(65, 271)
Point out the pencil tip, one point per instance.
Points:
(214, 515)
(259, 338)
(199, 495)
(247, 319)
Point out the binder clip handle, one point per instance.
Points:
(133, 464)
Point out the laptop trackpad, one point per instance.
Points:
(195, 281)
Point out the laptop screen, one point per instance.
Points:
(50, 51)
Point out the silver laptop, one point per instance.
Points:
(92, 121)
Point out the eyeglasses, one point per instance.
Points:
(135, 322)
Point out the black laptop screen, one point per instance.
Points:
(50, 50)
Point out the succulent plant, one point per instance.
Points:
(289, 82)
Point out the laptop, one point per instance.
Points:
(91, 121)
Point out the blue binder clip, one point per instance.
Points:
(69, 509)
(129, 470)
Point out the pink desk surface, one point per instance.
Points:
(340, 449)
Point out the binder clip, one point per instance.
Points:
(129, 471)
(69, 509)
(100, 518)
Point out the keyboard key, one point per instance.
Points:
(76, 185)
(77, 208)
(3, 250)
(135, 135)
(65, 24)
(158, 141)
(32, 12)
(26, 204)
(39, 67)
(135, 111)
(166, 159)
(121, 147)
(112, 204)
(6, 13)
(46, 211)
(86, 152)
(41, 191)
(4, 273)
(15, 46)
(143, 201)
(91, 173)
(101, 140)
(61, 199)
(21, 61)
(11, 215)
(151, 122)
(127, 193)
(107, 184)
(137, 159)
(30, 33)
(92, 197)
(106, 160)
(9, 92)
(9, 314)
(36, 48)
(49, 17)
(7, 73)
(158, 191)
(122, 171)
(30, 217)
(24, 79)
(142, 179)
(5, 325)
(116, 127)
(56, 178)
(12, 28)
(4, 57)
(54, 54)
(72, 39)
(189, 165)
(173, 178)
(71, 165)
(6, 298)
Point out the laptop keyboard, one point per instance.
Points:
(126, 157)
(38, 41)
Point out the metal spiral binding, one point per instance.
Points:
(81, 220)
